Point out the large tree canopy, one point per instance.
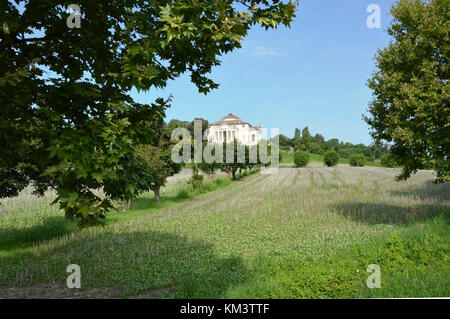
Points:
(411, 105)
(67, 120)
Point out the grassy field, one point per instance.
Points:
(287, 160)
(298, 233)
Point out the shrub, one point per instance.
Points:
(208, 168)
(357, 160)
(183, 194)
(301, 159)
(196, 181)
(331, 158)
(387, 160)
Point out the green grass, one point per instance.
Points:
(40, 221)
(287, 160)
(172, 195)
(299, 233)
(413, 263)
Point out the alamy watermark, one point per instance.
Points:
(374, 280)
(74, 279)
(74, 19)
(263, 151)
(374, 19)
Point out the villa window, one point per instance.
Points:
(253, 137)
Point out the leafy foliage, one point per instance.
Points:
(104, 159)
(331, 158)
(67, 121)
(209, 168)
(357, 160)
(301, 159)
(318, 145)
(387, 160)
(411, 106)
(196, 181)
(297, 141)
(237, 159)
(157, 163)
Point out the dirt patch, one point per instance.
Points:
(56, 291)
(161, 293)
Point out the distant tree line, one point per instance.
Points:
(316, 144)
(237, 165)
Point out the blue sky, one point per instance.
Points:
(313, 74)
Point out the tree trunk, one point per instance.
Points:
(233, 174)
(126, 204)
(156, 191)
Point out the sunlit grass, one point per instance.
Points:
(299, 233)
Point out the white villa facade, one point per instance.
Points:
(230, 128)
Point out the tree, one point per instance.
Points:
(204, 126)
(196, 179)
(209, 168)
(236, 158)
(157, 163)
(318, 138)
(306, 139)
(297, 140)
(252, 156)
(331, 158)
(410, 107)
(387, 160)
(67, 120)
(314, 147)
(301, 159)
(285, 141)
(357, 160)
(174, 123)
(332, 144)
(379, 148)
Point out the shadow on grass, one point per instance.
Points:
(144, 204)
(140, 263)
(428, 191)
(380, 213)
(52, 227)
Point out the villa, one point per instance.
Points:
(230, 128)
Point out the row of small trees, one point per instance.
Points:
(244, 157)
(157, 164)
(301, 158)
(331, 158)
